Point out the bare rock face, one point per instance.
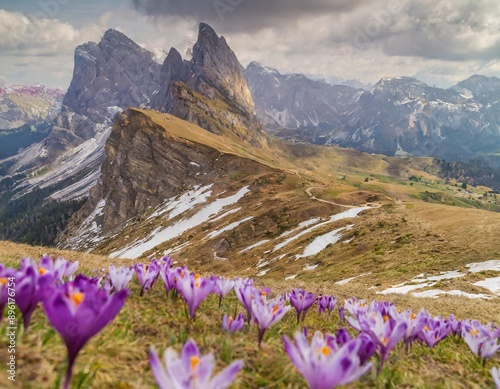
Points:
(145, 165)
(216, 67)
(108, 77)
(214, 71)
(114, 73)
(209, 90)
(170, 73)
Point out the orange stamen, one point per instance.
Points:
(275, 308)
(325, 351)
(43, 271)
(3, 281)
(77, 298)
(194, 362)
(386, 319)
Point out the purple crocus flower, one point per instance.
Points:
(194, 289)
(147, 275)
(342, 337)
(455, 325)
(495, 373)
(222, 287)
(31, 287)
(327, 302)
(301, 301)
(415, 324)
(355, 306)
(384, 330)
(78, 310)
(119, 277)
(239, 282)
(267, 312)
(167, 274)
(59, 268)
(482, 340)
(341, 313)
(246, 293)
(191, 370)
(435, 331)
(233, 325)
(323, 363)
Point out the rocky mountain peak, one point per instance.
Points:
(255, 67)
(207, 37)
(113, 39)
(114, 73)
(479, 86)
(217, 65)
(209, 90)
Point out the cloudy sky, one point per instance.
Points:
(438, 41)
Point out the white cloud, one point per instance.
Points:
(438, 40)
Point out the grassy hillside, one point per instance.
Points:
(117, 358)
(417, 225)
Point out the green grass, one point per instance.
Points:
(118, 356)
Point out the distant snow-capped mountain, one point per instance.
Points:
(398, 116)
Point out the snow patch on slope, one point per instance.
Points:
(163, 235)
(184, 203)
(350, 213)
(322, 242)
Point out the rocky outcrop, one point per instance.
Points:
(209, 90)
(145, 165)
(114, 73)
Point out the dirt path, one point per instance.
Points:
(312, 197)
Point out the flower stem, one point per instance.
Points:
(69, 373)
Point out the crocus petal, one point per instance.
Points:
(159, 373)
(225, 378)
(495, 373)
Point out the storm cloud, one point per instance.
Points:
(451, 30)
(245, 15)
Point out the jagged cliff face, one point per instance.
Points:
(209, 90)
(213, 71)
(144, 166)
(114, 73)
(108, 77)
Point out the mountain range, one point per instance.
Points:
(108, 175)
(398, 116)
